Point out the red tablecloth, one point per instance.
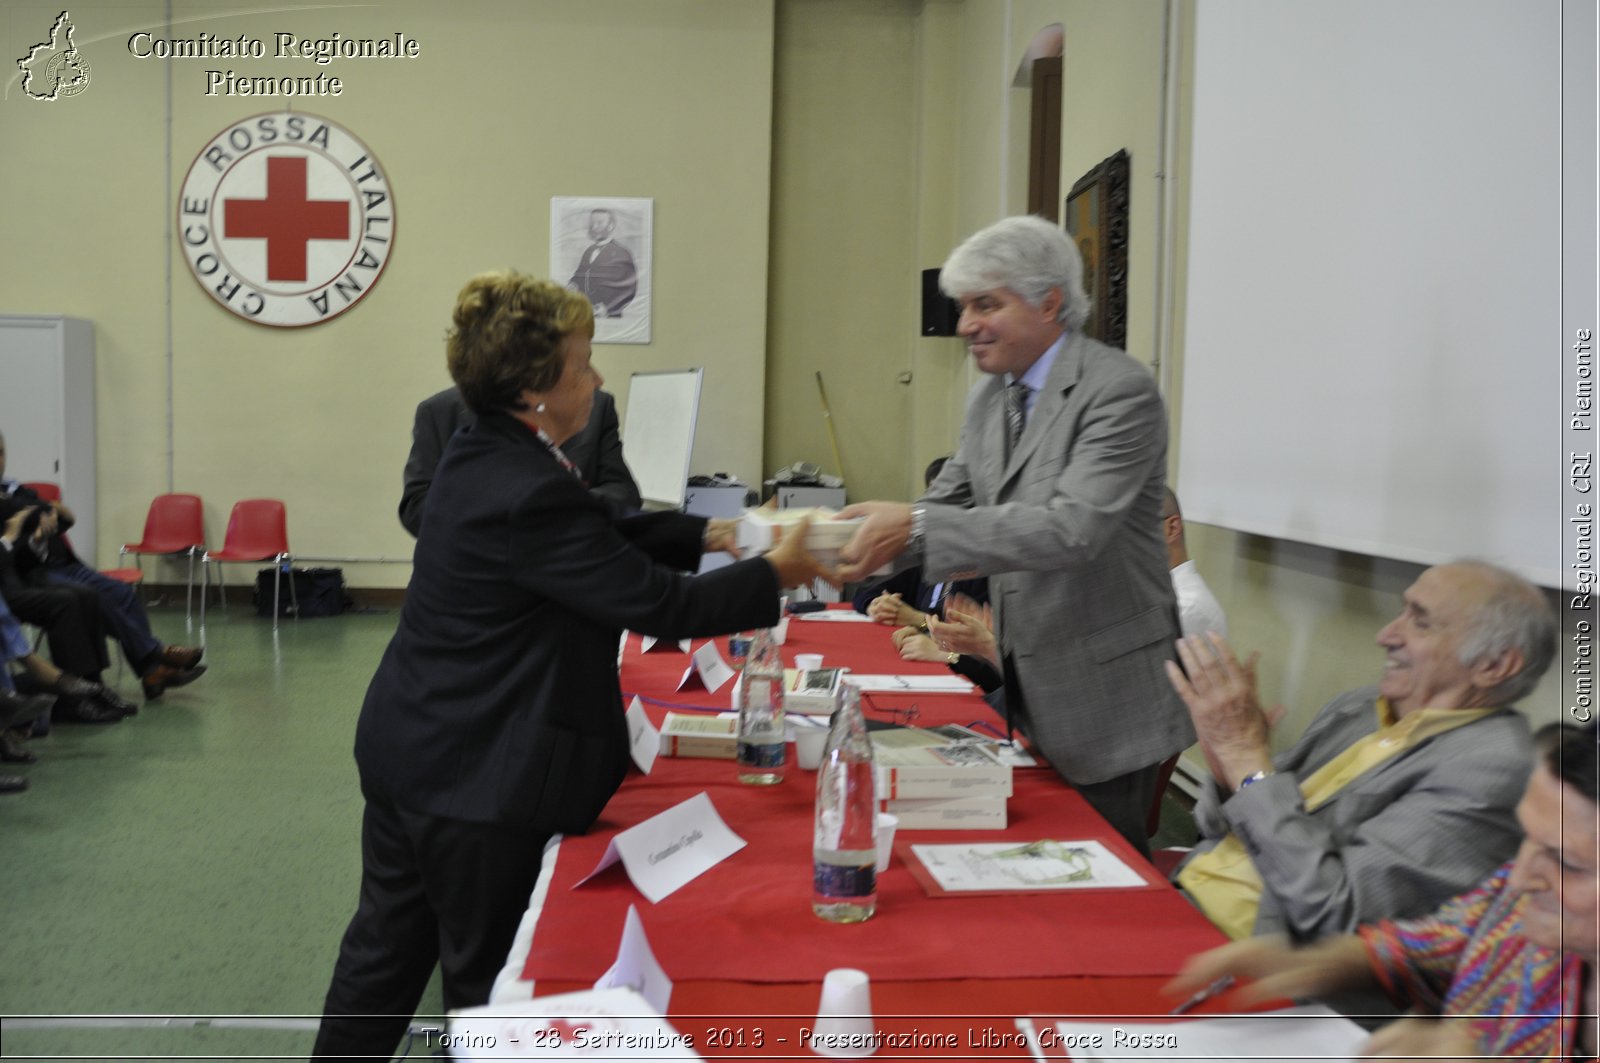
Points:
(749, 918)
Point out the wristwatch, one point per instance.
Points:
(1256, 777)
(919, 528)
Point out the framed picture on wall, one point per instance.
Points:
(600, 246)
(1096, 217)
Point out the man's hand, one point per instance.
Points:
(889, 608)
(1276, 970)
(14, 524)
(1221, 695)
(878, 541)
(794, 565)
(49, 522)
(1416, 1039)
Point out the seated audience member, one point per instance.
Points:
(1397, 796)
(963, 641)
(596, 451)
(50, 562)
(70, 616)
(15, 708)
(1198, 609)
(1507, 969)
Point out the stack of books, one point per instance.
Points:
(941, 779)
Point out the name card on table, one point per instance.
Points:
(671, 848)
(708, 670)
(910, 684)
(587, 1025)
(636, 967)
(644, 741)
(650, 642)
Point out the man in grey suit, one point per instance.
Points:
(596, 451)
(1397, 796)
(1055, 495)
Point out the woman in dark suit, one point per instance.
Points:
(495, 718)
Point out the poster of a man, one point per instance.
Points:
(601, 248)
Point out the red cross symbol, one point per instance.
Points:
(286, 219)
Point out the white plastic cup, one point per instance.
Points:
(808, 662)
(844, 1024)
(886, 825)
(810, 742)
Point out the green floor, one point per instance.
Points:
(198, 859)
(201, 859)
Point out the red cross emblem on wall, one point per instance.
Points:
(286, 219)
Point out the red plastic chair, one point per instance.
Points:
(176, 524)
(258, 530)
(50, 492)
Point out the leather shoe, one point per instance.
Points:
(109, 698)
(17, 708)
(158, 679)
(74, 710)
(80, 689)
(12, 784)
(183, 658)
(12, 751)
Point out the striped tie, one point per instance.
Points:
(1016, 414)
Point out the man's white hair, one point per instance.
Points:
(1026, 255)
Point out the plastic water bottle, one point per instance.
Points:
(761, 720)
(844, 849)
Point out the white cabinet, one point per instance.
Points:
(47, 411)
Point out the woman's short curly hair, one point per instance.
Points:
(506, 335)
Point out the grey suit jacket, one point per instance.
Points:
(1396, 842)
(1069, 534)
(596, 451)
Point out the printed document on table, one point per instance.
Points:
(910, 684)
(1028, 867)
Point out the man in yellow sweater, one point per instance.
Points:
(1397, 796)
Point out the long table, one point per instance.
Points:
(745, 952)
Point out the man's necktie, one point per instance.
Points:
(1016, 414)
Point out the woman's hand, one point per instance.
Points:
(722, 533)
(793, 564)
(966, 632)
(1276, 970)
(919, 647)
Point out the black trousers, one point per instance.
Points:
(433, 891)
(70, 616)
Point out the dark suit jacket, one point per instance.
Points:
(596, 451)
(27, 564)
(606, 274)
(497, 700)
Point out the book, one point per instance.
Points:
(693, 735)
(961, 769)
(948, 813)
(812, 692)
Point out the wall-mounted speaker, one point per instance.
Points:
(939, 312)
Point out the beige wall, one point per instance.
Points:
(509, 104)
(882, 131)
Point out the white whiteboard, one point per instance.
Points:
(658, 431)
(1373, 346)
